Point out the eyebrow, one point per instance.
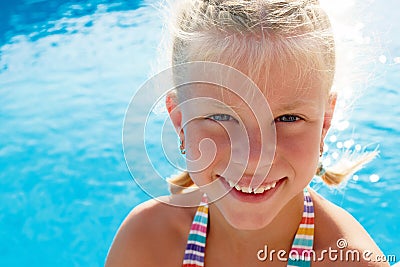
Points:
(280, 107)
(220, 105)
(290, 106)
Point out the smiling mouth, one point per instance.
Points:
(250, 190)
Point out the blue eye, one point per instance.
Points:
(221, 117)
(288, 118)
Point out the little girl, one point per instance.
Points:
(252, 148)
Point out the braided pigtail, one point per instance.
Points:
(347, 165)
(179, 183)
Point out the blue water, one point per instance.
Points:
(67, 72)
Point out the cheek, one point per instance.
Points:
(301, 146)
(200, 138)
(205, 147)
(300, 143)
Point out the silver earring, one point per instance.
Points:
(182, 147)
(320, 170)
(321, 149)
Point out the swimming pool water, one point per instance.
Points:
(67, 72)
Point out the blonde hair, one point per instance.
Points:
(271, 32)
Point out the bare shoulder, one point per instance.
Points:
(153, 234)
(341, 237)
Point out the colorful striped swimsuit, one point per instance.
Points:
(298, 256)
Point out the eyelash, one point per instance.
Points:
(283, 118)
(221, 117)
(294, 118)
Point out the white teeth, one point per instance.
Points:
(247, 189)
(258, 190)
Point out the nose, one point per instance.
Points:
(255, 150)
(261, 150)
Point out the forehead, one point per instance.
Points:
(280, 87)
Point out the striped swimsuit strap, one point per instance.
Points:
(196, 245)
(298, 256)
(302, 246)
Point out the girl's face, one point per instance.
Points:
(261, 173)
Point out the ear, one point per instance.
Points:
(329, 110)
(174, 112)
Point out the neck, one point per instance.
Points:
(279, 234)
